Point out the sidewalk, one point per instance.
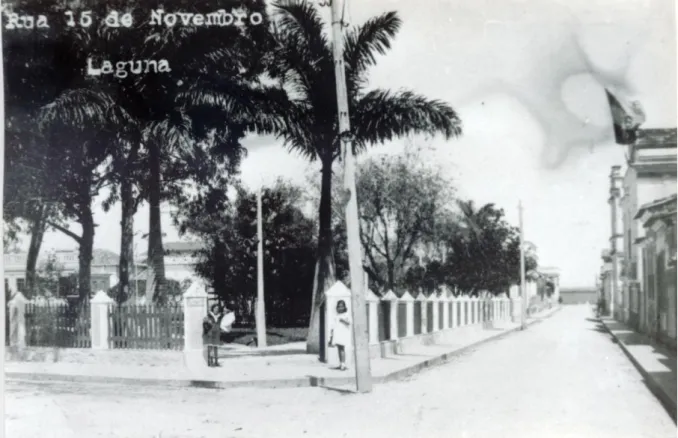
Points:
(656, 363)
(276, 371)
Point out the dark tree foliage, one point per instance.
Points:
(485, 257)
(155, 132)
(227, 226)
(305, 119)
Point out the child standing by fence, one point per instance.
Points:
(211, 334)
(341, 333)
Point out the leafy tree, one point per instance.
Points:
(31, 82)
(487, 255)
(227, 226)
(49, 277)
(158, 125)
(401, 198)
(308, 123)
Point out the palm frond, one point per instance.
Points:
(382, 115)
(174, 132)
(363, 43)
(300, 17)
(84, 109)
(261, 109)
(302, 55)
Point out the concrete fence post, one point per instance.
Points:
(100, 305)
(474, 302)
(433, 298)
(423, 312)
(446, 309)
(507, 307)
(195, 310)
(17, 323)
(516, 310)
(372, 316)
(409, 303)
(455, 307)
(392, 300)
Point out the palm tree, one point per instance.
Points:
(472, 219)
(304, 116)
(303, 62)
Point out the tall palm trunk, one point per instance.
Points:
(38, 227)
(129, 208)
(324, 268)
(156, 253)
(126, 240)
(86, 252)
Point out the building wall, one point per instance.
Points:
(660, 278)
(639, 299)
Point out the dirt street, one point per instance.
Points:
(561, 378)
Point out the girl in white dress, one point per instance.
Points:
(340, 335)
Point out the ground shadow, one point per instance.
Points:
(661, 383)
(342, 391)
(412, 355)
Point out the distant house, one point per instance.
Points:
(180, 260)
(104, 268)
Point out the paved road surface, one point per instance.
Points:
(561, 378)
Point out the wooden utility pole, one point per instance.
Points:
(523, 289)
(2, 166)
(261, 304)
(361, 351)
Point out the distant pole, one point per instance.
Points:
(134, 264)
(361, 350)
(261, 304)
(2, 166)
(523, 289)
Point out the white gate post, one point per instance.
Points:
(195, 310)
(99, 307)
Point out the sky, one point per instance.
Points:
(527, 78)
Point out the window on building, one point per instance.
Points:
(21, 285)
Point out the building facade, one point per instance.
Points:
(638, 277)
(606, 282)
(657, 277)
(104, 269)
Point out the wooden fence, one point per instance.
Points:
(58, 325)
(146, 327)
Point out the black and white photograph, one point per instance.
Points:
(339, 218)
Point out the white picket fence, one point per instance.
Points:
(409, 319)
